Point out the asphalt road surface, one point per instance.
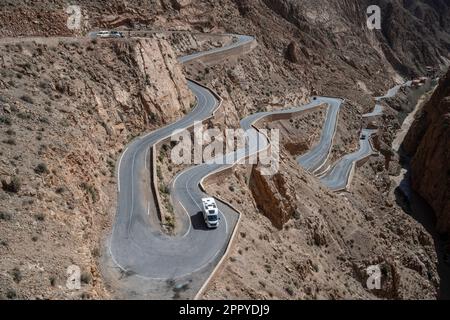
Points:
(318, 156)
(377, 111)
(138, 246)
(392, 92)
(337, 177)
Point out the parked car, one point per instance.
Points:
(109, 34)
(116, 34)
(210, 213)
(103, 34)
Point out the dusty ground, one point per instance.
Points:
(301, 132)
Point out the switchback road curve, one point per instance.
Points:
(139, 248)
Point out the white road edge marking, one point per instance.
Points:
(189, 218)
(118, 169)
(146, 158)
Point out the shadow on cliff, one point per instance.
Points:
(415, 206)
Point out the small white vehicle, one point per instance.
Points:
(109, 34)
(116, 34)
(210, 213)
(103, 34)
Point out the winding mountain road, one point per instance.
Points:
(337, 177)
(140, 248)
(313, 160)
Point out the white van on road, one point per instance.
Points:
(210, 213)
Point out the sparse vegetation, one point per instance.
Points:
(164, 189)
(86, 277)
(5, 120)
(27, 99)
(10, 141)
(16, 275)
(152, 116)
(24, 115)
(44, 120)
(60, 190)
(112, 166)
(10, 132)
(52, 280)
(64, 123)
(91, 190)
(13, 186)
(95, 252)
(85, 296)
(290, 291)
(11, 294)
(5, 216)
(41, 168)
(170, 222)
(159, 173)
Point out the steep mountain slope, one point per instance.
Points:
(428, 143)
(414, 33)
(67, 108)
(403, 21)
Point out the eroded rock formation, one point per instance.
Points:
(428, 142)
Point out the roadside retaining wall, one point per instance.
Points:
(230, 53)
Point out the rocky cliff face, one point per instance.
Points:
(403, 22)
(411, 35)
(428, 142)
(414, 33)
(273, 197)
